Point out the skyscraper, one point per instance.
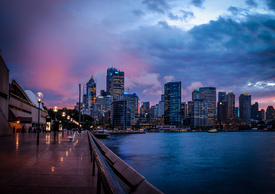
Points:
(230, 98)
(172, 101)
(183, 109)
(200, 113)
(245, 107)
(221, 96)
(222, 116)
(255, 111)
(195, 94)
(121, 115)
(117, 84)
(132, 104)
(91, 93)
(208, 95)
(270, 112)
(110, 72)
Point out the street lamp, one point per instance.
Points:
(55, 109)
(68, 118)
(39, 97)
(63, 115)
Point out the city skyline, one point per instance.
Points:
(52, 47)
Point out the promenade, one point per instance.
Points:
(50, 167)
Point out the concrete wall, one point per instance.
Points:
(5, 128)
(132, 181)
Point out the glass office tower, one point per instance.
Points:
(172, 102)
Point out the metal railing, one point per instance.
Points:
(105, 175)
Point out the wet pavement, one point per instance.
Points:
(52, 166)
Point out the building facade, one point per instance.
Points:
(230, 98)
(245, 107)
(200, 113)
(5, 128)
(221, 96)
(90, 94)
(270, 112)
(132, 104)
(121, 115)
(172, 102)
(208, 95)
(222, 113)
(117, 84)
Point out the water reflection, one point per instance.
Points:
(48, 138)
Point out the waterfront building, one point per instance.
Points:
(121, 115)
(161, 108)
(117, 84)
(222, 116)
(110, 72)
(103, 93)
(162, 97)
(208, 95)
(200, 113)
(270, 112)
(154, 112)
(237, 112)
(107, 102)
(262, 114)
(255, 111)
(5, 128)
(132, 104)
(144, 109)
(190, 108)
(91, 93)
(195, 94)
(221, 96)
(172, 101)
(230, 98)
(245, 107)
(183, 110)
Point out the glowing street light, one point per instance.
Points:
(39, 97)
(55, 109)
(63, 115)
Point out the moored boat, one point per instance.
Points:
(212, 131)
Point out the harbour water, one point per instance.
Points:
(225, 162)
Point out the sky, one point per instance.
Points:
(53, 46)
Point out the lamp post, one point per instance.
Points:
(55, 109)
(68, 118)
(39, 97)
(63, 115)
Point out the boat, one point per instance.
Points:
(101, 134)
(212, 131)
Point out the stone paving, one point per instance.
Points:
(51, 167)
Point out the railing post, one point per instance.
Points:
(98, 182)
(93, 164)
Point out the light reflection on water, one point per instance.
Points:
(236, 162)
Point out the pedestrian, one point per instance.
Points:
(55, 129)
(23, 129)
(13, 129)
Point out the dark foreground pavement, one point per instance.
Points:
(51, 167)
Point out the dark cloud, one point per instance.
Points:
(138, 12)
(270, 4)
(173, 17)
(251, 3)
(270, 24)
(236, 10)
(164, 24)
(159, 6)
(187, 15)
(198, 3)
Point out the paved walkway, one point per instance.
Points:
(51, 167)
